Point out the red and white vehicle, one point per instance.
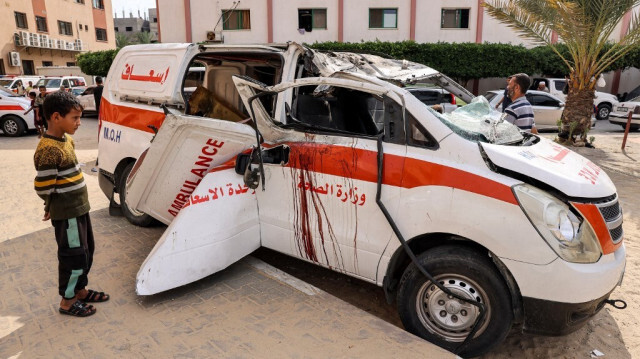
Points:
(349, 171)
(13, 121)
(53, 83)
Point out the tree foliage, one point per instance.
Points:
(96, 63)
(467, 61)
(585, 28)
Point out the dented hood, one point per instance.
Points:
(555, 165)
(399, 72)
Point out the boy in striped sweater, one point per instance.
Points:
(60, 183)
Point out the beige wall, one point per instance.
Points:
(285, 16)
(64, 10)
(205, 15)
(356, 21)
(171, 19)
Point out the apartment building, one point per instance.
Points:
(309, 21)
(37, 33)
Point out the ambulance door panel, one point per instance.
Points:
(217, 226)
(183, 151)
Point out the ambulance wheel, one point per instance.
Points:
(430, 313)
(140, 219)
(13, 126)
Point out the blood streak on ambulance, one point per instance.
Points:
(201, 166)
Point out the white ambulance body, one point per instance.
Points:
(353, 173)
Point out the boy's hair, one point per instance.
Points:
(61, 102)
(42, 87)
(32, 94)
(98, 79)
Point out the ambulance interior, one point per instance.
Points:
(208, 87)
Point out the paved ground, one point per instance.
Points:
(247, 310)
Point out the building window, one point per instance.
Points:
(312, 19)
(383, 18)
(236, 20)
(41, 24)
(155, 19)
(79, 1)
(21, 20)
(65, 28)
(86, 27)
(455, 19)
(128, 28)
(101, 34)
(98, 4)
(47, 63)
(116, 29)
(71, 64)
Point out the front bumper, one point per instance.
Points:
(554, 318)
(621, 119)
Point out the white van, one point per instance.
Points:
(11, 82)
(471, 226)
(53, 83)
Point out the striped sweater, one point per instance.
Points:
(59, 181)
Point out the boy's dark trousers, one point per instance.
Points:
(75, 253)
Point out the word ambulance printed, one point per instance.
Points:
(203, 162)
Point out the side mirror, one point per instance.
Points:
(561, 104)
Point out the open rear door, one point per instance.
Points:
(217, 227)
(183, 151)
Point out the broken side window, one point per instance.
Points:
(337, 110)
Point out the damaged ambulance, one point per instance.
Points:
(471, 226)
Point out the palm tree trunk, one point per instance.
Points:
(576, 117)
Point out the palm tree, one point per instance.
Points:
(585, 27)
(122, 40)
(144, 37)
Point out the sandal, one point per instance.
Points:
(79, 309)
(95, 297)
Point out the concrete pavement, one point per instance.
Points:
(241, 312)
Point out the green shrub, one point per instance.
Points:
(96, 63)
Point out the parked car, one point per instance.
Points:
(87, 100)
(435, 96)
(547, 109)
(620, 114)
(11, 82)
(603, 101)
(53, 84)
(13, 121)
(319, 174)
(77, 91)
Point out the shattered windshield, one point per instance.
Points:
(478, 122)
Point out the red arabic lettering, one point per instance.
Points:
(128, 75)
(344, 196)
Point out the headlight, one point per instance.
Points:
(570, 237)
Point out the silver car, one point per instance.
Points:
(547, 109)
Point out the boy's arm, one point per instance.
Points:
(29, 110)
(46, 162)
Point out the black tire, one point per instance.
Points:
(428, 312)
(134, 217)
(13, 126)
(603, 112)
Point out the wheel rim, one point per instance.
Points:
(447, 316)
(10, 127)
(604, 112)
